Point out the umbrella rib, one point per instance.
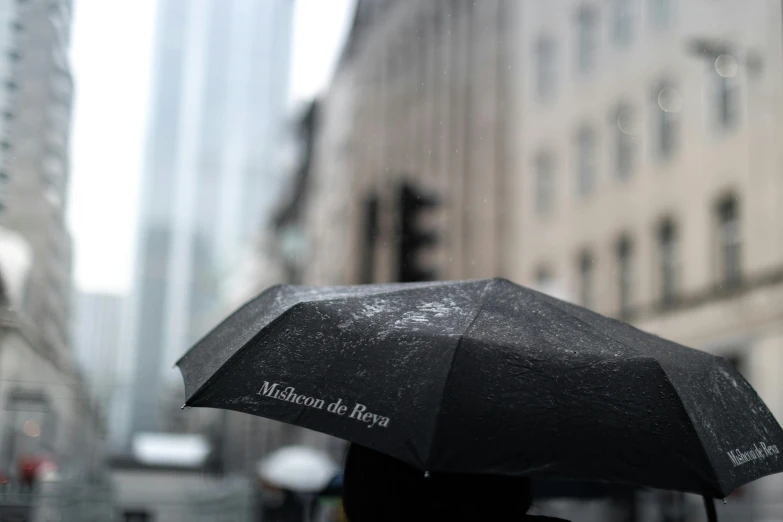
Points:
(484, 299)
(391, 289)
(230, 316)
(232, 359)
(693, 425)
(676, 391)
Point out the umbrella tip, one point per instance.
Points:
(426, 474)
(183, 406)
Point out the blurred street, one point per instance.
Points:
(623, 155)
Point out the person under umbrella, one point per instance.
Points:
(541, 489)
(489, 377)
(378, 488)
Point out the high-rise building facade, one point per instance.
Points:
(36, 112)
(220, 91)
(46, 412)
(9, 21)
(98, 331)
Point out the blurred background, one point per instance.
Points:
(163, 161)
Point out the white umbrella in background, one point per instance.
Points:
(300, 469)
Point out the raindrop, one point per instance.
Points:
(726, 66)
(31, 428)
(625, 122)
(670, 100)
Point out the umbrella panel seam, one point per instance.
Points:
(692, 424)
(484, 300)
(234, 358)
(676, 391)
(228, 363)
(232, 315)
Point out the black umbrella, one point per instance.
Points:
(488, 377)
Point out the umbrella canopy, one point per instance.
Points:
(297, 468)
(488, 377)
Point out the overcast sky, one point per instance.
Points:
(111, 58)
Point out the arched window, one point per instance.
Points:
(622, 24)
(4, 301)
(667, 105)
(586, 277)
(587, 39)
(726, 96)
(728, 241)
(545, 68)
(623, 141)
(545, 183)
(668, 261)
(586, 156)
(625, 274)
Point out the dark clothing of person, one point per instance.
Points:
(379, 488)
(286, 508)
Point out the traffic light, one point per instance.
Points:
(413, 203)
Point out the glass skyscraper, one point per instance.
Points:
(219, 94)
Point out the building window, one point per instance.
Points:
(545, 281)
(667, 244)
(729, 242)
(586, 275)
(137, 516)
(623, 130)
(545, 183)
(3, 189)
(726, 98)
(738, 361)
(625, 274)
(660, 13)
(587, 39)
(586, 159)
(370, 239)
(622, 28)
(543, 277)
(545, 68)
(667, 104)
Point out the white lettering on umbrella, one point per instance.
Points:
(337, 407)
(759, 451)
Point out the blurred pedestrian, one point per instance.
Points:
(281, 505)
(379, 488)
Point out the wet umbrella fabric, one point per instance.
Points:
(488, 377)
